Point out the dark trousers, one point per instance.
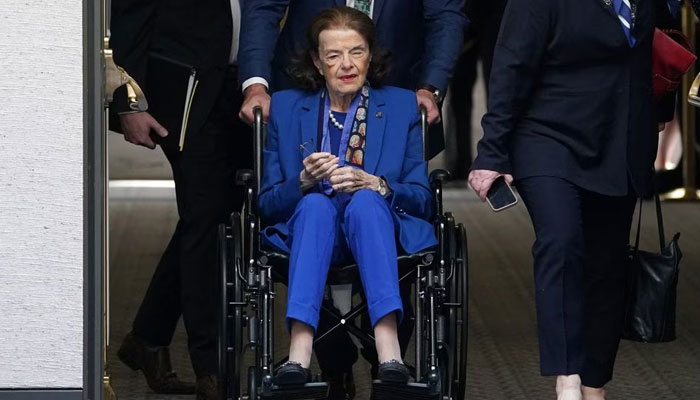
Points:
(185, 279)
(580, 263)
(479, 43)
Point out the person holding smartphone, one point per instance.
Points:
(572, 123)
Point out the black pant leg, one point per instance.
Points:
(160, 309)
(606, 227)
(204, 174)
(461, 106)
(555, 209)
(209, 164)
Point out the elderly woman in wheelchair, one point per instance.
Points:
(344, 179)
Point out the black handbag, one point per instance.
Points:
(652, 280)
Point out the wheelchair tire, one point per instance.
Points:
(231, 315)
(450, 354)
(462, 280)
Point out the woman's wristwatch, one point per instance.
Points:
(383, 188)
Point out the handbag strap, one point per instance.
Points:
(660, 222)
(639, 227)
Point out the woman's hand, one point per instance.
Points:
(350, 180)
(317, 167)
(481, 180)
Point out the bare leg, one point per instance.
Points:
(387, 339)
(590, 393)
(568, 387)
(302, 340)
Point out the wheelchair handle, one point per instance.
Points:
(424, 131)
(258, 143)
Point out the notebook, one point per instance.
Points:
(170, 90)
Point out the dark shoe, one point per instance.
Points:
(342, 385)
(292, 373)
(393, 371)
(155, 365)
(207, 388)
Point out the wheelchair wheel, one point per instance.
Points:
(231, 310)
(453, 351)
(459, 386)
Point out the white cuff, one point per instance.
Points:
(251, 81)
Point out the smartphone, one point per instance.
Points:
(501, 196)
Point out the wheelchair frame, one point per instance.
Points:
(246, 292)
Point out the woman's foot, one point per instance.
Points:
(292, 373)
(393, 371)
(569, 387)
(590, 393)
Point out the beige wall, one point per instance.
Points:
(41, 194)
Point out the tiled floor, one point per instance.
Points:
(503, 360)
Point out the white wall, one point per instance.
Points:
(41, 193)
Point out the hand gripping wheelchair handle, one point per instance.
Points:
(258, 143)
(424, 125)
(247, 176)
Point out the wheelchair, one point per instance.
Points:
(248, 273)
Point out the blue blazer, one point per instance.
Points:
(393, 150)
(424, 37)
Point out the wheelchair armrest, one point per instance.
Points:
(439, 175)
(244, 177)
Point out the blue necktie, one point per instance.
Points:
(674, 6)
(624, 13)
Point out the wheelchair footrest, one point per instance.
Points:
(393, 391)
(310, 391)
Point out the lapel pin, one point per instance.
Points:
(378, 114)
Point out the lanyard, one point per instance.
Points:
(347, 126)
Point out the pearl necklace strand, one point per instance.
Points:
(335, 121)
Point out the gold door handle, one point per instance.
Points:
(115, 77)
(693, 93)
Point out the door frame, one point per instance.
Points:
(94, 137)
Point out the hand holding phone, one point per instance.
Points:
(501, 196)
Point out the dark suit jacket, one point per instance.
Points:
(394, 151)
(197, 33)
(424, 37)
(569, 97)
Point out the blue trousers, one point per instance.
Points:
(580, 263)
(332, 230)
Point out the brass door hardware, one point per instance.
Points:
(693, 95)
(115, 77)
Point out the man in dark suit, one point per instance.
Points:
(424, 37)
(204, 36)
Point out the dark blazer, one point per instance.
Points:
(569, 97)
(194, 32)
(424, 37)
(394, 151)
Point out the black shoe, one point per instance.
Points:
(292, 373)
(342, 385)
(155, 365)
(393, 371)
(206, 388)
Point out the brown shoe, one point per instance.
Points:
(155, 365)
(206, 388)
